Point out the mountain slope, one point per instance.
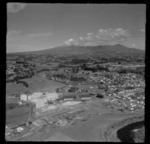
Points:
(90, 50)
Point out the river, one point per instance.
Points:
(124, 134)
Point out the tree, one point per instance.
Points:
(49, 102)
(80, 79)
(24, 83)
(61, 76)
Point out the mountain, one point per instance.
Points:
(89, 50)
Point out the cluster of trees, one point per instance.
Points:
(78, 61)
(140, 70)
(99, 96)
(61, 76)
(75, 70)
(122, 59)
(42, 70)
(94, 69)
(18, 77)
(73, 89)
(109, 76)
(22, 70)
(13, 105)
(61, 66)
(77, 79)
(49, 102)
(19, 74)
(122, 71)
(20, 62)
(23, 82)
(119, 81)
(129, 88)
(9, 77)
(58, 90)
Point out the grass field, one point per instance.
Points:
(17, 116)
(36, 83)
(13, 88)
(59, 137)
(91, 129)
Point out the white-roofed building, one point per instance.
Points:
(52, 96)
(41, 103)
(41, 99)
(23, 97)
(34, 96)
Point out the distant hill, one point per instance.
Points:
(89, 50)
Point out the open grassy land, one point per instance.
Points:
(14, 87)
(92, 128)
(36, 83)
(17, 116)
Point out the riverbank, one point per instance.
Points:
(111, 132)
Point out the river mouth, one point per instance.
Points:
(128, 132)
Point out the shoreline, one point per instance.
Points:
(111, 131)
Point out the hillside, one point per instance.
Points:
(89, 50)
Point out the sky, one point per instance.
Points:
(41, 26)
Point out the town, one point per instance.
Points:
(105, 83)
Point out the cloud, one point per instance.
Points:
(102, 37)
(142, 30)
(118, 35)
(133, 45)
(69, 42)
(15, 7)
